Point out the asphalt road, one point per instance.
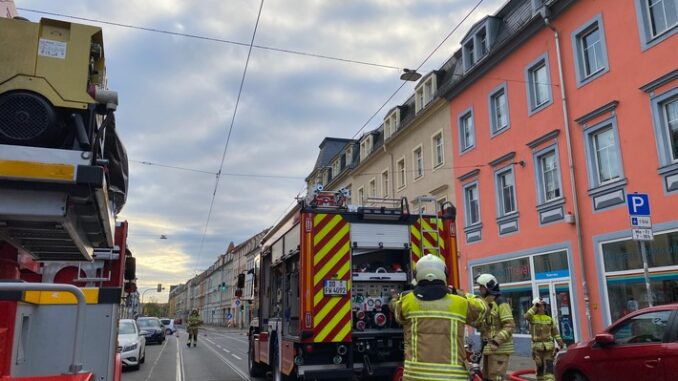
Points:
(217, 357)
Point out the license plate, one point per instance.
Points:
(335, 287)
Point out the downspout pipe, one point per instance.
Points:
(573, 183)
(391, 174)
(76, 359)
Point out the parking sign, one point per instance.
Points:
(638, 204)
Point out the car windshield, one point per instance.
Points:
(148, 323)
(165, 321)
(126, 327)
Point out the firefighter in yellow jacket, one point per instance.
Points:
(496, 330)
(433, 320)
(544, 333)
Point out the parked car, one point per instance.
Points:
(152, 329)
(169, 326)
(131, 344)
(642, 345)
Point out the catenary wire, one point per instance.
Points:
(228, 137)
(418, 67)
(227, 174)
(213, 39)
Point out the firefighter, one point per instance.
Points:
(433, 320)
(193, 323)
(544, 332)
(496, 330)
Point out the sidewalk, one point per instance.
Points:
(221, 329)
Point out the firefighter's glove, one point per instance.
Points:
(537, 301)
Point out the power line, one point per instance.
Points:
(214, 39)
(228, 136)
(418, 67)
(228, 174)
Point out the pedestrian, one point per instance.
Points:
(433, 319)
(193, 323)
(496, 330)
(544, 332)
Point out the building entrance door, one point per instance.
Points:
(558, 296)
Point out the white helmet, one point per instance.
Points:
(489, 282)
(430, 268)
(538, 300)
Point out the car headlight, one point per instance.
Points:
(132, 347)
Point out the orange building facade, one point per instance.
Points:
(544, 226)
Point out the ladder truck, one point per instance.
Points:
(326, 273)
(63, 178)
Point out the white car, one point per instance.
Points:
(169, 326)
(131, 344)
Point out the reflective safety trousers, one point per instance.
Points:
(543, 329)
(434, 335)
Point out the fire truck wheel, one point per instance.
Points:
(255, 369)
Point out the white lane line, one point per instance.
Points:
(226, 350)
(236, 356)
(179, 365)
(156, 361)
(227, 361)
(183, 368)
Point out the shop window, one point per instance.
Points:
(514, 270)
(551, 265)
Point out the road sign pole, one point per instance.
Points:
(648, 287)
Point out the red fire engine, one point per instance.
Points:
(326, 276)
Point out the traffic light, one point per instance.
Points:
(159, 287)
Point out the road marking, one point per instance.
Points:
(236, 356)
(227, 361)
(226, 350)
(179, 364)
(156, 361)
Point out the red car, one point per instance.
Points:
(642, 345)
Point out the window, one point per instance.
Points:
(658, 20)
(384, 184)
(471, 204)
(506, 192)
(665, 122)
(466, 131)
(482, 43)
(349, 199)
(438, 149)
(549, 176)
(499, 117)
(537, 76)
(606, 155)
(373, 187)
(425, 92)
(401, 172)
(361, 196)
(642, 329)
(469, 55)
(336, 168)
(365, 146)
(441, 202)
(418, 157)
(590, 51)
(392, 122)
(670, 114)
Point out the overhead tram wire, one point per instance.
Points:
(213, 39)
(228, 136)
(418, 67)
(227, 174)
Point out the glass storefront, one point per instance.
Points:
(624, 273)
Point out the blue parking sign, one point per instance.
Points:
(638, 203)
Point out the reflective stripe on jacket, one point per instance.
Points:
(434, 335)
(498, 326)
(543, 329)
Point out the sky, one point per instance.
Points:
(178, 94)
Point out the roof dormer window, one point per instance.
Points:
(365, 146)
(478, 42)
(392, 122)
(425, 92)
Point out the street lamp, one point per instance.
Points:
(158, 289)
(410, 75)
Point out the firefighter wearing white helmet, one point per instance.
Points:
(496, 330)
(433, 321)
(544, 332)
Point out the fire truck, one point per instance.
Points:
(327, 273)
(63, 178)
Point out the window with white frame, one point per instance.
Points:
(549, 176)
(418, 158)
(361, 196)
(424, 92)
(506, 191)
(538, 84)
(336, 168)
(365, 146)
(401, 172)
(590, 51)
(665, 123)
(658, 20)
(499, 116)
(471, 204)
(438, 147)
(373, 187)
(605, 155)
(392, 122)
(385, 190)
(388, 129)
(670, 114)
(469, 55)
(441, 202)
(467, 131)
